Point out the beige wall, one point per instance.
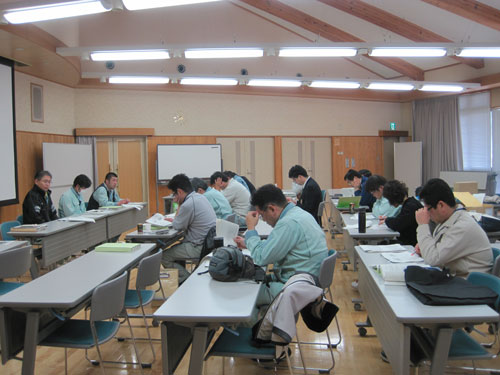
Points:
(495, 98)
(59, 106)
(218, 114)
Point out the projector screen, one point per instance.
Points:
(8, 166)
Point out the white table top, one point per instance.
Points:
(373, 231)
(71, 283)
(202, 299)
(408, 309)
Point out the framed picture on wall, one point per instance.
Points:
(36, 103)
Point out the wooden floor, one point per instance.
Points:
(355, 354)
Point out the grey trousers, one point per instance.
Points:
(182, 251)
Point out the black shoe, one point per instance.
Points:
(384, 357)
(278, 360)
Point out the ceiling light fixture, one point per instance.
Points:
(408, 52)
(390, 86)
(56, 11)
(335, 84)
(139, 80)
(148, 4)
(274, 83)
(222, 53)
(479, 52)
(441, 88)
(154, 54)
(209, 81)
(317, 52)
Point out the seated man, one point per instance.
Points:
(195, 216)
(105, 194)
(71, 202)
(236, 194)
(457, 242)
(396, 193)
(218, 201)
(311, 195)
(381, 208)
(242, 180)
(296, 243)
(357, 181)
(37, 206)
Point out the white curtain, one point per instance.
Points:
(496, 145)
(435, 124)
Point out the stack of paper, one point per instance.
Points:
(402, 257)
(159, 221)
(133, 205)
(78, 218)
(117, 247)
(382, 248)
(29, 228)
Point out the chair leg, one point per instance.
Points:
(101, 362)
(301, 355)
(288, 361)
(149, 334)
(66, 361)
(133, 341)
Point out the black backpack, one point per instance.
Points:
(228, 263)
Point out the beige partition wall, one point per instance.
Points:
(250, 157)
(314, 154)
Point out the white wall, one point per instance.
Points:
(58, 106)
(220, 114)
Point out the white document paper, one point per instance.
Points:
(228, 230)
(403, 257)
(78, 218)
(383, 248)
(159, 221)
(133, 205)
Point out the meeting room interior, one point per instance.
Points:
(134, 93)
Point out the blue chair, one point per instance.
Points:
(496, 262)
(5, 228)
(20, 219)
(13, 263)
(107, 302)
(463, 346)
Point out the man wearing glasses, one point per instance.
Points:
(457, 242)
(296, 243)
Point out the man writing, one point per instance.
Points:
(296, 243)
(457, 242)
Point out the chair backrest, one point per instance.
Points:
(15, 262)
(148, 271)
(233, 218)
(327, 269)
(208, 243)
(486, 279)
(321, 209)
(496, 262)
(108, 298)
(5, 228)
(20, 219)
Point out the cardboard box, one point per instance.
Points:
(466, 186)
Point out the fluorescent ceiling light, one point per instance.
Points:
(223, 53)
(479, 52)
(442, 88)
(335, 84)
(148, 4)
(55, 11)
(408, 52)
(209, 81)
(274, 82)
(139, 79)
(130, 55)
(390, 86)
(317, 52)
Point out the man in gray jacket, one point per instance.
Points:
(195, 216)
(457, 242)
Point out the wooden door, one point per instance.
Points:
(356, 153)
(130, 167)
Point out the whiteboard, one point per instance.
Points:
(8, 166)
(192, 160)
(408, 164)
(65, 161)
(464, 176)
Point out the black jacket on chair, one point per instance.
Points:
(37, 209)
(310, 198)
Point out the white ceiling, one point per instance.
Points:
(237, 22)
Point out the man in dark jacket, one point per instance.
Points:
(311, 195)
(358, 181)
(37, 206)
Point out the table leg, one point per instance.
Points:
(164, 349)
(441, 350)
(198, 350)
(30, 343)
